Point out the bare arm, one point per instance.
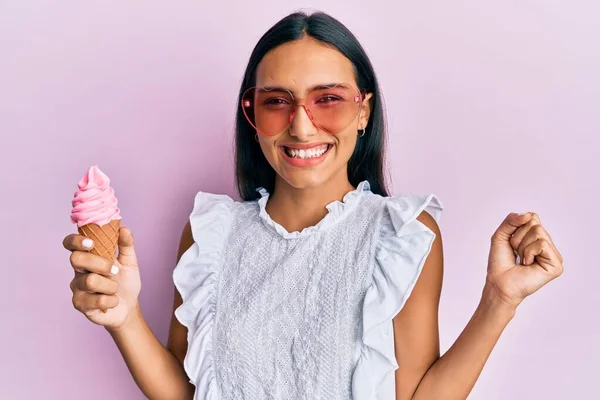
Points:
(456, 372)
(416, 334)
(422, 373)
(157, 370)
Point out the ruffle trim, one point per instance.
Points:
(195, 277)
(336, 211)
(404, 245)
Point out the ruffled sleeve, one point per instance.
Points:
(195, 277)
(404, 244)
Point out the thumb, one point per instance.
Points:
(127, 254)
(511, 223)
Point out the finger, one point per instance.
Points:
(521, 232)
(74, 242)
(510, 224)
(86, 302)
(544, 234)
(524, 236)
(94, 283)
(535, 233)
(83, 261)
(127, 254)
(543, 252)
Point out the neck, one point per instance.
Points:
(298, 208)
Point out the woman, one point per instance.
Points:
(318, 285)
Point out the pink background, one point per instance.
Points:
(493, 106)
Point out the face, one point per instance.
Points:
(305, 155)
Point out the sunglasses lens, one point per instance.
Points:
(334, 108)
(268, 110)
(331, 109)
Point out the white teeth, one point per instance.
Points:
(310, 153)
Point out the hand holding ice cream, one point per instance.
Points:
(105, 289)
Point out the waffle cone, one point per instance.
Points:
(105, 238)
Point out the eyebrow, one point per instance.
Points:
(314, 87)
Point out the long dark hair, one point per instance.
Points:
(367, 161)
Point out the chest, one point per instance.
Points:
(288, 310)
(270, 277)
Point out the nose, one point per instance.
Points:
(301, 125)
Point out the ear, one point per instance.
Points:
(365, 111)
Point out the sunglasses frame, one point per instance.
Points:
(359, 98)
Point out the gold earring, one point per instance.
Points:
(361, 134)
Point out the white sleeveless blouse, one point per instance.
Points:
(273, 314)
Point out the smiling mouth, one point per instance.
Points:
(304, 154)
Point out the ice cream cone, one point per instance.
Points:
(96, 212)
(105, 238)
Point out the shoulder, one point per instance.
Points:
(430, 222)
(211, 212)
(207, 204)
(206, 201)
(408, 213)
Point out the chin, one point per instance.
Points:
(305, 179)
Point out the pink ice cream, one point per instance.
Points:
(94, 201)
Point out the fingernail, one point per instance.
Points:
(523, 213)
(114, 270)
(87, 243)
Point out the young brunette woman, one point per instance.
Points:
(319, 284)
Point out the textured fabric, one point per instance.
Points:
(273, 314)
